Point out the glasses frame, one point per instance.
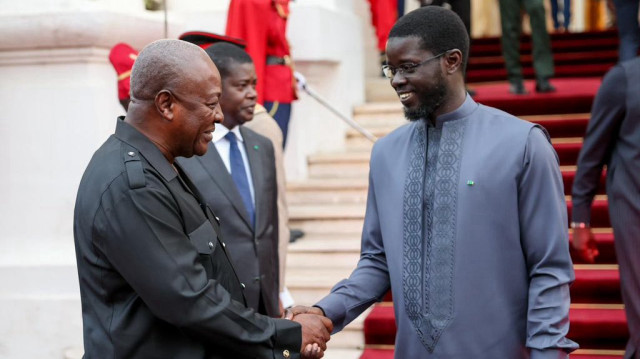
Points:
(390, 72)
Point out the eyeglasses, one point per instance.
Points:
(405, 69)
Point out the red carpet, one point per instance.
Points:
(571, 125)
(597, 316)
(573, 95)
(574, 55)
(569, 175)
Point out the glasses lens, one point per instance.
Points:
(387, 71)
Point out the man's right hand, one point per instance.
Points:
(316, 332)
(290, 313)
(584, 245)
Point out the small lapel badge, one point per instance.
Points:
(256, 147)
(470, 183)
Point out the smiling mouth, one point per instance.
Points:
(405, 95)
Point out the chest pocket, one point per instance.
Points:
(204, 239)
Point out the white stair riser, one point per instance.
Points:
(346, 171)
(327, 197)
(320, 260)
(328, 227)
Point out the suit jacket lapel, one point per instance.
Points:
(254, 157)
(216, 169)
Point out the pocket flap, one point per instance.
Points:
(204, 238)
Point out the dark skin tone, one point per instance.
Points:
(239, 94)
(411, 87)
(409, 50)
(584, 245)
(180, 120)
(238, 101)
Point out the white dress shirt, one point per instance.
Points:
(222, 145)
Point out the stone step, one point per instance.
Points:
(309, 285)
(378, 108)
(328, 226)
(329, 243)
(337, 353)
(383, 120)
(316, 251)
(327, 191)
(350, 338)
(326, 212)
(379, 89)
(318, 261)
(339, 165)
(378, 131)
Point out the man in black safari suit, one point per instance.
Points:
(155, 278)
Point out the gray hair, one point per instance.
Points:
(160, 65)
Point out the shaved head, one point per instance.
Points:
(163, 64)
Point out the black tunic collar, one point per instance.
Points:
(129, 134)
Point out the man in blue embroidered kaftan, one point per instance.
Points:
(466, 221)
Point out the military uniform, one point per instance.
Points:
(262, 24)
(511, 18)
(155, 278)
(122, 56)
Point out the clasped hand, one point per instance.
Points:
(316, 330)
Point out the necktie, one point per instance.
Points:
(239, 175)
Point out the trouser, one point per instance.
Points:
(629, 32)
(566, 12)
(511, 19)
(281, 112)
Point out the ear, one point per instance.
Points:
(165, 102)
(453, 61)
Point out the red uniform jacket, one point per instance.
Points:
(262, 24)
(384, 14)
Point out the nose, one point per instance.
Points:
(252, 93)
(398, 80)
(218, 116)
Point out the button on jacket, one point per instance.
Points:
(155, 279)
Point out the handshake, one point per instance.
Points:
(316, 329)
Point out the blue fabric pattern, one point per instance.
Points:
(429, 216)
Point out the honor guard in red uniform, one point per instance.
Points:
(122, 57)
(384, 14)
(262, 24)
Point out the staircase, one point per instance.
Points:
(330, 205)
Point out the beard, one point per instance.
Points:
(428, 102)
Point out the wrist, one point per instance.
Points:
(575, 225)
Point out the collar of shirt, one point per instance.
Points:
(145, 147)
(222, 131)
(467, 107)
(222, 146)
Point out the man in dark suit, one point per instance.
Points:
(613, 139)
(237, 178)
(155, 278)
